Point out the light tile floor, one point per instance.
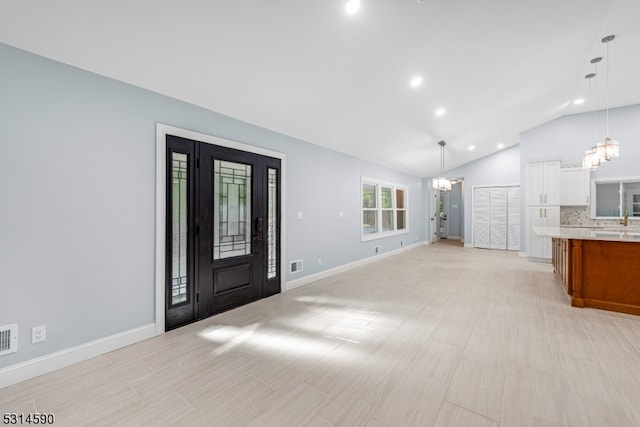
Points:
(436, 336)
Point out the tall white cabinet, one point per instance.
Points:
(496, 217)
(543, 205)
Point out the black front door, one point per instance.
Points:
(223, 223)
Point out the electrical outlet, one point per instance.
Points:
(38, 334)
(319, 262)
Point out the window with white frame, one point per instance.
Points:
(384, 209)
(612, 197)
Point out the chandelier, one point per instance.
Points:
(441, 183)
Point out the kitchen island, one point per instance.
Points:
(598, 267)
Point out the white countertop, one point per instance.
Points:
(618, 234)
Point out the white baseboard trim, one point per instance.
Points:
(41, 365)
(293, 284)
(468, 245)
(540, 260)
(522, 254)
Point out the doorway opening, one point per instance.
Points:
(447, 214)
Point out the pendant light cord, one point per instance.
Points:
(607, 89)
(595, 110)
(442, 160)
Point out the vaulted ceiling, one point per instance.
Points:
(307, 69)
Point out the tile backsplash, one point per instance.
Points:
(572, 215)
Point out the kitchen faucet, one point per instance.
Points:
(625, 220)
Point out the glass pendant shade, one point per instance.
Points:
(606, 150)
(590, 160)
(612, 148)
(442, 184)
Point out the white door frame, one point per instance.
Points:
(434, 220)
(162, 131)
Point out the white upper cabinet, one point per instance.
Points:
(552, 183)
(574, 187)
(543, 183)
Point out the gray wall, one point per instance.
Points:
(77, 200)
(500, 168)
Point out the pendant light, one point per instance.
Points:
(609, 148)
(441, 183)
(591, 159)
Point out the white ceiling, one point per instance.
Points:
(306, 69)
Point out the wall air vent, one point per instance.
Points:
(8, 339)
(295, 266)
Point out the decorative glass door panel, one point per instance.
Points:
(231, 209)
(179, 217)
(272, 224)
(180, 280)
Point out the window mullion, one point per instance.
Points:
(394, 208)
(379, 208)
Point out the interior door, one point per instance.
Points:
(234, 232)
(498, 218)
(482, 217)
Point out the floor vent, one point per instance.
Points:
(8, 339)
(296, 266)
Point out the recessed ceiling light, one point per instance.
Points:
(472, 147)
(352, 7)
(415, 82)
(500, 145)
(441, 112)
(578, 101)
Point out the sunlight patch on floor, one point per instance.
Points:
(299, 333)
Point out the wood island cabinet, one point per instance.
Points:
(599, 273)
(561, 259)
